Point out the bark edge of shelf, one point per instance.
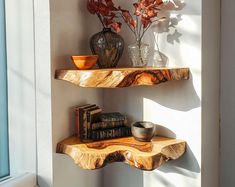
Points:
(122, 77)
(141, 155)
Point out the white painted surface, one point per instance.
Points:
(227, 95)
(71, 29)
(210, 92)
(43, 92)
(185, 110)
(25, 180)
(21, 86)
(176, 106)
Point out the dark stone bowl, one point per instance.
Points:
(143, 131)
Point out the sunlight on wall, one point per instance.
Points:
(172, 119)
(175, 105)
(175, 124)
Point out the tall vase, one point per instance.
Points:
(109, 46)
(139, 54)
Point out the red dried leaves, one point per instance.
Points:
(144, 10)
(147, 10)
(106, 11)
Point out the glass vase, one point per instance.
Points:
(109, 46)
(160, 60)
(139, 54)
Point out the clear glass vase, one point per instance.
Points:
(160, 60)
(139, 54)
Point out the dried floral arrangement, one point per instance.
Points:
(144, 15)
(106, 12)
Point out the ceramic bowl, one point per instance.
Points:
(85, 62)
(143, 131)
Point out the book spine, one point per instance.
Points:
(76, 123)
(88, 125)
(92, 117)
(84, 124)
(82, 119)
(86, 113)
(111, 133)
(112, 117)
(107, 125)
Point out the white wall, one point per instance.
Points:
(43, 92)
(179, 107)
(25, 180)
(21, 86)
(210, 92)
(60, 31)
(71, 29)
(176, 106)
(227, 95)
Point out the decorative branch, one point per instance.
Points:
(106, 12)
(145, 13)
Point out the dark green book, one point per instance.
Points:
(108, 125)
(110, 133)
(115, 116)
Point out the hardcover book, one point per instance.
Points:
(111, 133)
(76, 118)
(115, 116)
(108, 125)
(84, 121)
(92, 117)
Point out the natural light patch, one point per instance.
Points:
(172, 121)
(191, 54)
(189, 24)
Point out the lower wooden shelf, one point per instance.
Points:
(142, 155)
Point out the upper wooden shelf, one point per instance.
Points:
(142, 155)
(122, 77)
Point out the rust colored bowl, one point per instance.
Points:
(85, 62)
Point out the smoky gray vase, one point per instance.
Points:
(109, 46)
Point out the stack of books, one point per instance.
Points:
(110, 125)
(84, 116)
(93, 125)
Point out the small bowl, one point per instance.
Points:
(85, 62)
(143, 131)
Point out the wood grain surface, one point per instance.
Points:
(122, 77)
(142, 155)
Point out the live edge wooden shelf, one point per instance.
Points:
(122, 77)
(142, 155)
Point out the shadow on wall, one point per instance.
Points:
(74, 36)
(186, 163)
(183, 90)
(167, 26)
(68, 174)
(181, 167)
(132, 103)
(163, 131)
(122, 175)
